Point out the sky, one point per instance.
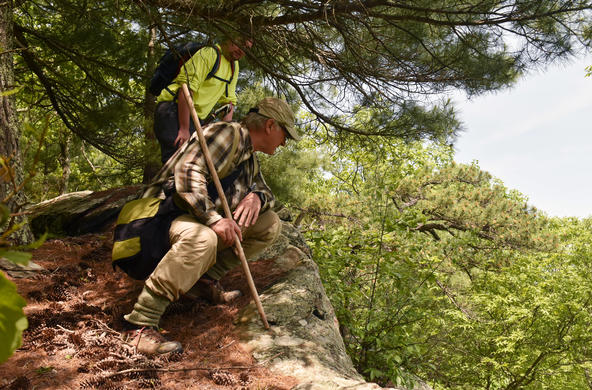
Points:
(536, 137)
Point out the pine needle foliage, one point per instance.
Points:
(336, 58)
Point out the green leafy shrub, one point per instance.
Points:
(12, 318)
(438, 272)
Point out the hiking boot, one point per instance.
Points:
(149, 341)
(212, 291)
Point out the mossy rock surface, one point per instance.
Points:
(304, 340)
(81, 212)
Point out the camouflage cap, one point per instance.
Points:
(279, 110)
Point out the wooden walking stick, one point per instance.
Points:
(214, 174)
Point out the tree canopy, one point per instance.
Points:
(437, 271)
(388, 58)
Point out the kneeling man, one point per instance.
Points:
(201, 239)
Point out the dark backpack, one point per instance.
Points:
(171, 62)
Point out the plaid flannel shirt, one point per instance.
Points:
(187, 173)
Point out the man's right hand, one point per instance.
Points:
(182, 137)
(226, 229)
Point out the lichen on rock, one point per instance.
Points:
(304, 340)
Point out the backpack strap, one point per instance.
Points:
(211, 73)
(255, 165)
(232, 75)
(217, 66)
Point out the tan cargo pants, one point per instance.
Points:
(195, 249)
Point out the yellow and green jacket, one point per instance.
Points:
(207, 92)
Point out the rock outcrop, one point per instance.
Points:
(304, 340)
(80, 212)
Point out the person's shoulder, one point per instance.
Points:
(209, 49)
(222, 129)
(234, 133)
(207, 53)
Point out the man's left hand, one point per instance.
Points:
(247, 211)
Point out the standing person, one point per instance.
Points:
(172, 124)
(201, 239)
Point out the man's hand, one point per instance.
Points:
(182, 137)
(247, 211)
(228, 116)
(226, 229)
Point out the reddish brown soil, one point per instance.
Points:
(74, 313)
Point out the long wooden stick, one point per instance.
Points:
(214, 174)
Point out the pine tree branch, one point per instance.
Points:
(79, 60)
(33, 65)
(452, 298)
(296, 12)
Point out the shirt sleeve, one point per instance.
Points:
(192, 174)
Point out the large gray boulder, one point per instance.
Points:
(304, 340)
(80, 212)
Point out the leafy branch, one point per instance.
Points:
(12, 318)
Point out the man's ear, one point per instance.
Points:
(269, 126)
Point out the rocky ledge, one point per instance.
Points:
(304, 340)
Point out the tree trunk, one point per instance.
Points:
(151, 146)
(9, 148)
(64, 159)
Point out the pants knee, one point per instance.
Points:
(273, 228)
(196, 243)
(205, 242)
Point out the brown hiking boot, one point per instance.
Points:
(212, 291)
(149, 341)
